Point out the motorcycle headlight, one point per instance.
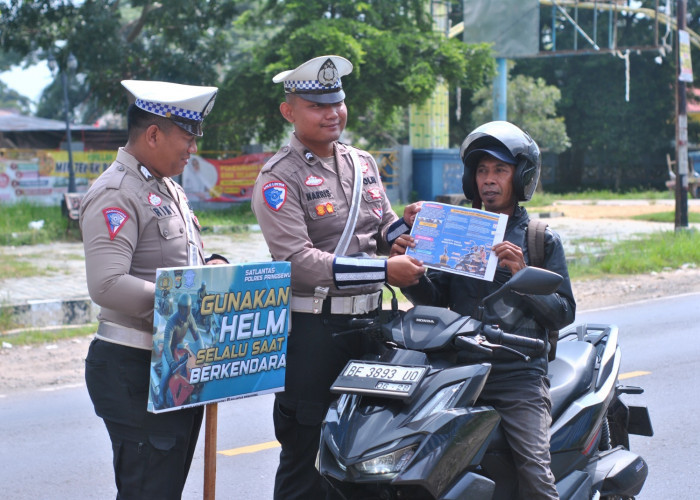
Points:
(444, 399)
(393, 462)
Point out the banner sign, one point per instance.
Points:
(229, 180)
(41, 176)
(220, 333)
(686, 70)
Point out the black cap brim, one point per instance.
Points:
(190, 126)
(500, 152)
(322, 98)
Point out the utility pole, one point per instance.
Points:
(681, 219)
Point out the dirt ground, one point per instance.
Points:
(51, 366)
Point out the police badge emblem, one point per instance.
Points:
(178, 278)
(154, 199)
(115, 219)
(275, 194)
(328, 74)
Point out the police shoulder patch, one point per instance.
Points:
(115, 219)
(275, 194)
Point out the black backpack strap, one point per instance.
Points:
(535, 241)
(535, 249)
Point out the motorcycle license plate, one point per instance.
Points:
(379, 379)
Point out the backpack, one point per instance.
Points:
(535, 248)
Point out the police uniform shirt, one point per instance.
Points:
(302, 206)
(132, 224)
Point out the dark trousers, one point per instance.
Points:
(525, 407)
(315, 357)
(297, 476)
(152, 453)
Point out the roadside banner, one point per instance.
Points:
(220, 333)
(41, 176)
(228, 180)
(686, 70)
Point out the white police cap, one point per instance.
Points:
(186, 105)
(317, 80)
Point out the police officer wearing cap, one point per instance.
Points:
(501, 169)
(321, 206)
(135, 219)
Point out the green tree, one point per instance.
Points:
(12, 100)
(397, 60)
(184, 41)
(615, 143)
(532, 105)
(239, 46)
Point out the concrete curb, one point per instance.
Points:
(43, 313)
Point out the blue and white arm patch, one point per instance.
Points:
(395, 230)
(351, 271)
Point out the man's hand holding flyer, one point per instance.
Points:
(457, 239)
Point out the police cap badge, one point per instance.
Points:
(317, 80)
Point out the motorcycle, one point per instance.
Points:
(178, 390)
(406, 424)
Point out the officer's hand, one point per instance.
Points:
(401, 244)
(403, 270)
(510, 255)
(410, 212)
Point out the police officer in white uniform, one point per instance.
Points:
(135, 219)
(321, 206)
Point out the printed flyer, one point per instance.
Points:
(220, 333)
(458, 239)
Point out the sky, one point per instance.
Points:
(29, 82)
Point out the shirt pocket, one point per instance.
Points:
(320, 205)
(373, 198)
(171, 228)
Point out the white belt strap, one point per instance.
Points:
(123, 335)
(350, 224)
(321, 292)
(194, 256)
(356, 304)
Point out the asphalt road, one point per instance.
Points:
(54, 447)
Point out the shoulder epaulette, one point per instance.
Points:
(116, 177)
(279, 155)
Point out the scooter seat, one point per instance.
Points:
(570, 374)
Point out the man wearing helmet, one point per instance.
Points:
(501, 169)
(176, 329)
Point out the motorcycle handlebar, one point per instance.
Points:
(361, 325)
(498, 336)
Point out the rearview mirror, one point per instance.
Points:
(529, 281)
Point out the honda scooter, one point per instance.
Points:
(406, 424)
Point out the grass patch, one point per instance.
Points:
(11, 265)
(15, 230)
(48, 335)
(545, 199)
(666, 217)
(586, 247)
(235, 215)
(653, 252)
